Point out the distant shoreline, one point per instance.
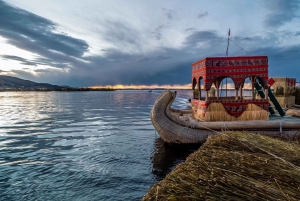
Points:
(90, 89)
(61, 90)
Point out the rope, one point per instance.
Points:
(238, 46)
(280, 130)
(223, 126)
(272, 70)
(209, 129)
(193, 124)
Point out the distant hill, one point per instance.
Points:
(14, 83)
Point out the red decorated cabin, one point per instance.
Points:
(212, 70)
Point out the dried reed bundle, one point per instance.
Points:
(253, 112)
(297, 96)
(286, 101)
(217, 112)
(293, 112)
(235, 166)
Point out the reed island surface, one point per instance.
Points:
(235, 166)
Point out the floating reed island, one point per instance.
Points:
(235, 166)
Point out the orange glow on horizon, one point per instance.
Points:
(155, 86)
(230, 86)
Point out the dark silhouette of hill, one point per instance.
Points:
(14, 83)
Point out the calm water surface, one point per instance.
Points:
(82, 145)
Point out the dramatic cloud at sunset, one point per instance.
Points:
(99, 43)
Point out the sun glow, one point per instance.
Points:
(155, 86)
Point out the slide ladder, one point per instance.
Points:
(272, 99)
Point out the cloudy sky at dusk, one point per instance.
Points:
(100, 42)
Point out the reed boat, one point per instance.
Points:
(179, 126)
(213, 114)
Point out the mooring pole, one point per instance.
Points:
(226, 86)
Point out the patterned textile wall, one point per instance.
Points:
(237, 68)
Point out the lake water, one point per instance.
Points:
(82, 145)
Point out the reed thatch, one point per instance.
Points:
(293, 112)
(286, 98)
(253, 112)
(235, 166)
(217, 112)
(297, 96)
(286, 101)
(282, 82)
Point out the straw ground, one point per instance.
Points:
(235, 166)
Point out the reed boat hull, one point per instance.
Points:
(172, 128)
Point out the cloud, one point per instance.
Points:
(169, 13)
(202, 14)
(152, 48)
(157, 32)
(177, 75)
(281, 12)
(16, 58)
(155, 58)
(279, 53)
(36, 34)
(268, 42)
(42, 70)
(206, 39)
(22, 73)
(120, 33)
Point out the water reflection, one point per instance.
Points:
(165, 156)
(82, 145)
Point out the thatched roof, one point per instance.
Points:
(235, 166)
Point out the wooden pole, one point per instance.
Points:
(217, 83)
(199, 89)
(226, 86)
(241, 91)
(252, 86)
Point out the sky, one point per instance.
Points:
(133, 42)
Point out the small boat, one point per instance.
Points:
(150, 90)
(213, 114)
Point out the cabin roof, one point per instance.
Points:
(230, 58)
(238, 68)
